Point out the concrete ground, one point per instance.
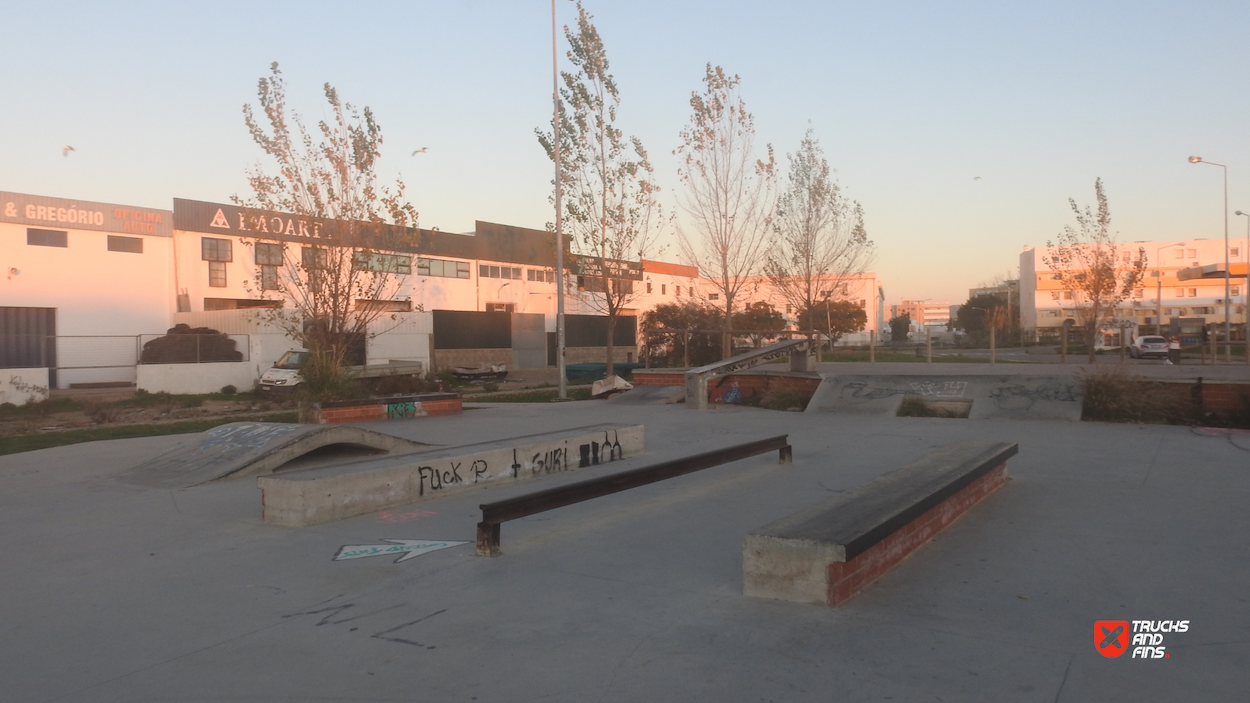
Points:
(114, 592)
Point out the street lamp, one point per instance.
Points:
(1159, 288)
(1245, 255)
(1228, 350)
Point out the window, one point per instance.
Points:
(46, 238)
(1204, 311)
(217, 253)
(215, 249)
(1193, 292)
(590, 284)
(1192, 253)
(789, 308)
(663, 289)
(826, 293)
(1234, 290)
(268, 254)
(268, 258)
(648, 286)
(1180, 292)
(1067, 295)
(1180, 253)
(443, 268)
(314, 261)
(129, 245)
(505, 272)
(384, 305)
(678, 288)
(381, 263)
(1234, 252)
(713, 296)
(500, 307)
(1137, 293)
(540, 275)
(217, 274)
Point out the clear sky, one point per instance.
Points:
(911, 101)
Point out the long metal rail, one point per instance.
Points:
(493, 514)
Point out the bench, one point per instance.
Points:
(829, 551)
(494, 514)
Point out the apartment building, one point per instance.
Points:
(1175, 287)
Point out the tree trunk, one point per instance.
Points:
(611, 335)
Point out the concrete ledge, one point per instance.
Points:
(992, 396)
(321, 495)
(393, 408)
(829, 551)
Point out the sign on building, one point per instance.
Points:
(42, 211)
(594, 266)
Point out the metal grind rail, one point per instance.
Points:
(494, 514)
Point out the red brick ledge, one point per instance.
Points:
(394, 408)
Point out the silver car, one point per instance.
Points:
(1149, 345)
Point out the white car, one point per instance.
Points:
(1149, 345)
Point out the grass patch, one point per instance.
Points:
(898, 357)
(14, 444)
(786, 398)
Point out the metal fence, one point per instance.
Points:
(108, 359)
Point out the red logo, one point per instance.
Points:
(1111, 637)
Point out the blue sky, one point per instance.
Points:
(911, 101)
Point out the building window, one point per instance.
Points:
(1234, 252)
(1137, 293)
(1180, 292)
(789, 308)
(128, 245)
(678, 289)
(381, 263)
(663, 289)
(1193, 253)
(215, 249)
(384, 305)
(443, 268)
(500, 307)
(314, 261)
(1234, 290)
(217, 274)
(1067, 295)
(506, 272)
(648, 286)
(47, 238)
(540, 275)
(268, 258)
(1193, 292)
(713, 296)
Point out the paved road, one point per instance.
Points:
(114, 592)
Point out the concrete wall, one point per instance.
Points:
(195, 378)
(21, 386)
(581, 355)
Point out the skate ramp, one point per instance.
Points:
(243, 449)
(1043, 397)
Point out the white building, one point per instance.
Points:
(79, 280)
(862, 289)
(1167, 292)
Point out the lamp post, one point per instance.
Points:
(1159, 288)
(1245, 255)
(555, 98)
(1228, 350)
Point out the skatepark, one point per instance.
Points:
(122, 585)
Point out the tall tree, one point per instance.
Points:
(609, 188)
(836, 318)
(900, 327)
(1086, 261)
(760, 321)
(728, 196)
(333, 285)
(820, 242)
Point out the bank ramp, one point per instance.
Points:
(242, 449)
(1048, 397)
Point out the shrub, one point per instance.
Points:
(490, 387)
(229, 390)
(100, 412)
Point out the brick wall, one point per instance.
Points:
(848, 578)
(396, 408)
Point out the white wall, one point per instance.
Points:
(195, 378)
(20, 386)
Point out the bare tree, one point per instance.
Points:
(1086, 261)
(821, 242)
(338, 279)
(728, 197)
(609, 191)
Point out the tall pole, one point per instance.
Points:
(555, 98)
(1245, 256)
(1228, 349)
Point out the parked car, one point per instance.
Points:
(285, 375)
(1148, 345)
